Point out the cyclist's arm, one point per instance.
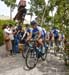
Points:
(39, 35)
(24, 35)
(30, 35)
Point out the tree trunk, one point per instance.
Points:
(10, 13)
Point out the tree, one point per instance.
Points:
(9, 2)
(61, 18)
(37, 7)
(41, 9)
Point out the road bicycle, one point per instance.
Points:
(34, 53)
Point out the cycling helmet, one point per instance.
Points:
(33, 23)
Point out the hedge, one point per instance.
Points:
(2, 22)
(1, 37)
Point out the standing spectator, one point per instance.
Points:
(16, 41)
(7, 39)
(19, 29)
(11, 37)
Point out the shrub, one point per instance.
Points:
(1, 37)
(7, 22)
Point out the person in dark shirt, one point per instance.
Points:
(19, 27)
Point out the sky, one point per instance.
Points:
(4, 10)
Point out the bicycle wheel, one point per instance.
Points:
(24, 52)
(31, 58)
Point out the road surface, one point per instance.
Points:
(15, 65)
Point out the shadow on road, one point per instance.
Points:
(53, 66)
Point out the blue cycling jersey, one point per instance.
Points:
(55, 32)
(44, 32)
(29, 30)
(36, 30)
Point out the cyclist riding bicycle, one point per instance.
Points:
(55, 32)
(37, 30)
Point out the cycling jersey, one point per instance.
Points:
(56, 33)
(29, 30)
(36, 30)
(44, 31)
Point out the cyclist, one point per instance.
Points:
(37, 30)
(51, 39)
(61, 39)
(27, 34)
(55, 32)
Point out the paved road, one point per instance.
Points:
(15, 65)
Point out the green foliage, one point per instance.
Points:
(2, 22)
(37, 7)
(62, 14)
(61, 17)
(1, 37)
(9, 2)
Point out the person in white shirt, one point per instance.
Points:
(11, 35)
(7, 40)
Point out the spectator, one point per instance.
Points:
(7, 40)
(11, 37)
(16, 42)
